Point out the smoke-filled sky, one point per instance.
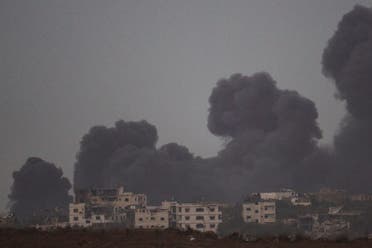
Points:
(68, 65)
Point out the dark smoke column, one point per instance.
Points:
(348, 61)
(39, 188)
(270, 131)
(101, 143)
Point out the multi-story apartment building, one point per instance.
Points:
(104, 206)
(198, 216)
(149, 217)
(77, 215)
(259, 211)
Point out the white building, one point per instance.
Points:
(203, 217)
(261, 212)
(297, 201)
(125, 199)
(104, 206)
(77, 215)
(150, 217)
(281, 195)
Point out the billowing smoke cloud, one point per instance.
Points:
(348, 61)
(101, 143)
(39, 188)
(125, 155)
(271, 136)
(271, 130)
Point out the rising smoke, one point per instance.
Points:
(39, 188)
(101, 143)
(126, 155)
(269, 133)
(348, 61)
(271, 136)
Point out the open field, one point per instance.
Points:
(149, 238)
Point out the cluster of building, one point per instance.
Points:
(116, 207)
(105, 207)
(262, 208)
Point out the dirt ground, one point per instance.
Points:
(150, 238)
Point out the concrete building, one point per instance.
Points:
(204, 217)
(149, 217)
(280, 195)
(125, 199)
(104, 206)
(116, 197)
(77, 215)
(260, 211)
(300, 201)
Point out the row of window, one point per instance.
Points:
(199, 226)
(266, 208)
(152, 218)
(199, 217)
(152, 226)
(200, 209)
(266, 216)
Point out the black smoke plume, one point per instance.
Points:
(38, 189)
(101, 143)
(347, 60)
(271, 136)
(270, 131)
(125, 155)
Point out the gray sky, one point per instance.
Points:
(68, 65)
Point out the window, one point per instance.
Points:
(256, 211)
(199, 210)
(212, 225)
(220, 217)
(256, 221)
(212, 217)
(248, 209)
(248, 217)
(76, 218)
(76, 210)
(211, 209)
(126, 199)
(87, 222)
(187, 217)
(199, 225)
(266, 216)
(179, 209)
(98, 217)
(140, 219)
(162, 218)
(152, 218)
(199, 217)
(187, 210)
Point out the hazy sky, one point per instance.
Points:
(68, 65)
